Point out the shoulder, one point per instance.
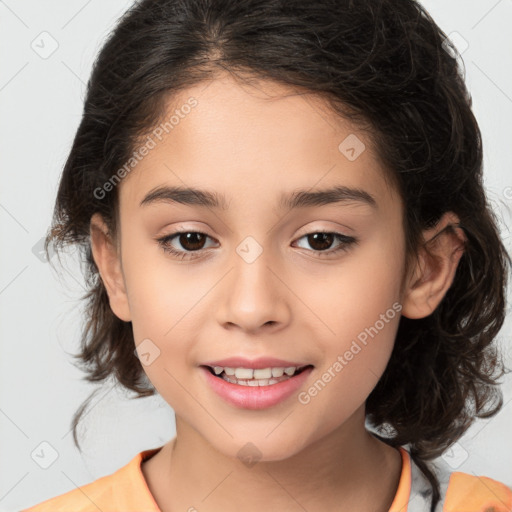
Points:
(474, 493)
(124, 490)
(460, 492)
(91, 496)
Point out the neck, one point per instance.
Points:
(348, 469)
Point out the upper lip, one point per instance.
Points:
(260, 362)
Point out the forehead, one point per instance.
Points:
(249, 141)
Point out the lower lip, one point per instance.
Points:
(255, 397)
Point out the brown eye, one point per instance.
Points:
(183, 244)
(321, 241)
(191, 241)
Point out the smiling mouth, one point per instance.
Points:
(257, 377)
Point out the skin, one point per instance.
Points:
(293, 302)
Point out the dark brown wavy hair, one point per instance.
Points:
(386, 66)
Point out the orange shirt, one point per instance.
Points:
(126, 490)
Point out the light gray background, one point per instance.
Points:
(40, 108)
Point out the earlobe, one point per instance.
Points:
(108, 261)
(435, 269)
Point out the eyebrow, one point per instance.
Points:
(297, 199)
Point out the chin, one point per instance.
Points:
(260, 448)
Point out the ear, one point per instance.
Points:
(107, 259)
(435, 270)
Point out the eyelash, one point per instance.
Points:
(164, 242)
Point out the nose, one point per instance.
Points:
(254, 296)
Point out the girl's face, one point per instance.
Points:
(252, 279)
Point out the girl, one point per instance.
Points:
(281, 208)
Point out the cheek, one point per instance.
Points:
(360, 312)
(159, 293)
(351, 365)
(166, 308)
(362, 287)
(161, 301)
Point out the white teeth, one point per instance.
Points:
(277, 372)
(244, 373)
(259, 382)
(263, 373)
(253, 375)
(258, 373)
